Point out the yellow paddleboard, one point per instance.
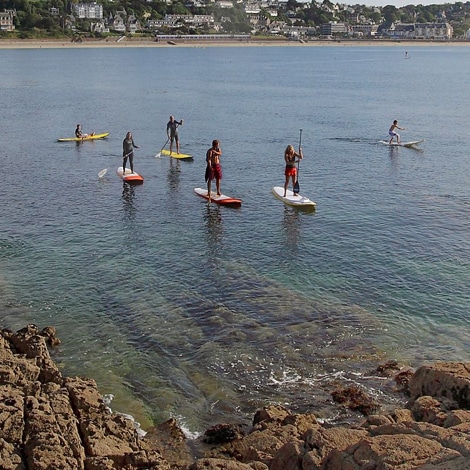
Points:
(88, 137)
(176, 155)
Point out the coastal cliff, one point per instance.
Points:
(48, 421)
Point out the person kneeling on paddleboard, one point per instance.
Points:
(291, 171)
(392, 133)
(213, 169)
(128, 146)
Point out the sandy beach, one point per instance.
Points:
(253, 42)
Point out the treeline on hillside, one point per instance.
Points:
(34, 18)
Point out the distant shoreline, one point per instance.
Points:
(148, 42)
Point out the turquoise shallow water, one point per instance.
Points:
(203, 312)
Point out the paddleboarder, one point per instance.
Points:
(172, 133)
(128, 147)
(78, 132)
(290, 172)
(213, 168)
(392, 133)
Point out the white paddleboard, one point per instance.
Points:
(223, 200)
(402, 144)
(291, 199)
(130, 177)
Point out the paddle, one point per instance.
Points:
(296, 188)
(102, 173)
(159, 154)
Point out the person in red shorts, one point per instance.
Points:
(290, 156)
(213, 169)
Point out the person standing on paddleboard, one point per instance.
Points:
(128, 147)
(172, 133)
(290, 156)
(392, 133)
(213, 169)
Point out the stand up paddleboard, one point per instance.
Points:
(292, 199)
(223, 200)
(129, 177)
(402, 144)
(80, 139)
(181, 156)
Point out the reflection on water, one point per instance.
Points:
(173, 175)
(393, 152)
(215, 233)
(128, 195)
(291, 224)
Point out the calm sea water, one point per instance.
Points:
(205, 313)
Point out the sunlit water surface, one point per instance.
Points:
(205, 313)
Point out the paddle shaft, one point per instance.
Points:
(296, 188)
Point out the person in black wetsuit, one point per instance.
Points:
(128, 147)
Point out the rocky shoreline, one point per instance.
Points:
(48, 421)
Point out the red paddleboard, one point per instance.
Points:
(223, 200)
(130, 177)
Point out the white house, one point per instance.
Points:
(6, 20)
(89, 10)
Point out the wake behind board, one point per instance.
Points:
(129, 177)
(223, 200)
(402, 144)
(291, 199)
(181, 156)
(88, 137)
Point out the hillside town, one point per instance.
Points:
(285, 18)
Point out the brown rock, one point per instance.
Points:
(443, 379)
(44, 445)
(223, 433)
(459, 463)
(47, 422)
(355, 399)
(289, 456)
(398, 452)
(321, 442)
(10, 456)
(302, 422)
(220, 464)
(429, 410)
(456, 418)
(402, 379)
(28, 342)
(272, 413)
(388, 368)
(170, 441)
(49, 332)
(11, 414)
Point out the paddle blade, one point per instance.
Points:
(102, 173)
(296, 189)
(158, 155)
(208, 174)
